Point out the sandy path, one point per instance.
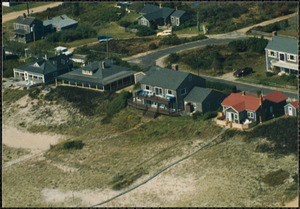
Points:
(14, 15)
(294, 203)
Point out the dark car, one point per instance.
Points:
(242, 72)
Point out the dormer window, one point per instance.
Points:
(87, 72)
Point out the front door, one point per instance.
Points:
(229, 116)
(290, 111)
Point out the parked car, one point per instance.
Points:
(63, 50)
(242, 72)
(164, 33)
(104, 38)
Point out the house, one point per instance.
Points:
(27, 29)
(163, 90)
(203, 100)
(78, 58)
(282, 55)
(59, 23)
(100, 75)
(178, 17)
(153, 15)
(43, 70)
(245, 111)
(291, 109)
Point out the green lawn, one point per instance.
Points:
(22, 6)
(292, 29)
(189, 30)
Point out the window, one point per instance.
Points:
(177, 21)
(235, 116)
(271, 109)
(281, 57)
(147, 87)
(183, 91)
(169, 92)
(291, 58)
(272, 54)
(250, 115)
(158, 91)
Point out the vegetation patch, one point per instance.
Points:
(275, 178)
(10, 153)
(226, 88)
(13, 95)
(74, 144)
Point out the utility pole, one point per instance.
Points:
(33, 30)
(27, 8)
(198, 23)
(106, 46)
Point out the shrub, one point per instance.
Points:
(210, 115)
(197, 115)
(34, 93)
(118, 103)
(74, 144)
(173, 58)
(170, 40)
(220, 86)
(276, 177)
(269, 74)
(125, 23)
(144, 31)
(152, 46)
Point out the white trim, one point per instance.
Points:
(289, 58)
(284, 57)
(273, 56)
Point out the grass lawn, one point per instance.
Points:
(189, 30)
(131, 17)
(292, 29)
(21, 7)
(112, 29)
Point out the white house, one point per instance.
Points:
(282, 55)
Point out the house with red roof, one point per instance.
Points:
(244, 111)
(291, 109)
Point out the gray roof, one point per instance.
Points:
(101, 76)
(25, 21)
(60, 21)
(149, 8)
(152, 12)
(283, 44)
(198, 94)
(178, 13)
(165, 78)
(42, 66)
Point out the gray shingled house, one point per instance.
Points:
(99, 75)
(203, 100)
(59, 23)
(153, 15)
(43, 70)
(27, 29)
(282, 55)
(163, 90)
(291, 109)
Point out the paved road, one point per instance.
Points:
(14, 15)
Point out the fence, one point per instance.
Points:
(130, 30)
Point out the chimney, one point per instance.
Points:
(46, 56)
(274, 33)
(103, 64)
(243, 93)
(160, 5)
(24, 15)
(176, 8)
(175, 67)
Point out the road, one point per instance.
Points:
(14, 15)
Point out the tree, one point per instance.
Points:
(75, 8)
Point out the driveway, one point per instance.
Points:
(14, 15)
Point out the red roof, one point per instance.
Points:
(295, 104)
(275, 96)
(241, 102)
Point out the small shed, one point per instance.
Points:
(203, 100)
(291, 109)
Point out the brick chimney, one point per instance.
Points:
(274, 33)
(160, 5)
(103, 64)
(176, 8)
(175, 67)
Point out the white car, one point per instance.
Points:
(63, 50)
(164, 33)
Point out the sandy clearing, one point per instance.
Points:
(14, 15)
(13, 137)
(292, 204)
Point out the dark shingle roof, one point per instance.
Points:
(152, 12)
(42, 66)
(60, 21)
(165, 78)
(149, 8)
(198, 94)
(109, 74)
(283, 44)
(178, 13)
(25, 21)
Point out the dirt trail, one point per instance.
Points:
(14, 15)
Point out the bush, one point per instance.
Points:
(34, 93)
(269, 74)
(210, 115)
(170, 40)
(74, 144)
(276, 177)
(173, 58)
(251, 44)
(152, 46)
(227, 88)
(125, 23)
(118, 103)
(144, 31)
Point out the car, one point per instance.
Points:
(63, 50)
(243, 72)
(104, 38)
(164, 33)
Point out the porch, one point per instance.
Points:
(221, 120)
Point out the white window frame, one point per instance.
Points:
(146, 87)
(167, 92)
(158, 89)
(284, 57)
(269, 53)
(250, 114)
(235, 116)
(289, 58)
